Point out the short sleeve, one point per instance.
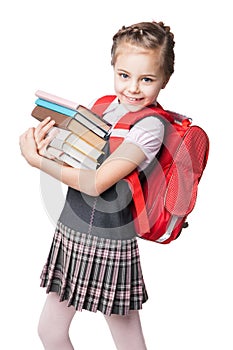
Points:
(148, 134)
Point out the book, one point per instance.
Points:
(63, 138)
(55, 107)
(62, 157)
(64, 122)
(55, 99)
(41, 113)
(86, 115)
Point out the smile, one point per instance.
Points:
(133, 99)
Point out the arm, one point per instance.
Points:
(92, 182)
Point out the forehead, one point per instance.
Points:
(129, 55)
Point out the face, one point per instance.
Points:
(138, 77)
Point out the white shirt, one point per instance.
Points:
(147, 134)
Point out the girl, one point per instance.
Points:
(94, 260)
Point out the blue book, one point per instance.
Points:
(55, 107)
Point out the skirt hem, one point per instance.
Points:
(93, 273)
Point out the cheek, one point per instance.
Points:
(118, 86)
(156, 91)
(152, 93)
(115, 84)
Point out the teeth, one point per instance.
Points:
(132, 99)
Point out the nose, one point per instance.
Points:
(133, 87)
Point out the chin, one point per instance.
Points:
(133, 108)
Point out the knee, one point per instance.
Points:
(50, 336)
(54, 323)
(43, 331)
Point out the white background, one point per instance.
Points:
(63, 47)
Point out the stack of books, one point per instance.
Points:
(80, 134)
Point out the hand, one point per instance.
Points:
(29, 148)
(42, 138)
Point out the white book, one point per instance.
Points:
(81, 157)
(54, 152)
(72, 162)
(61, 156)
(79, 144)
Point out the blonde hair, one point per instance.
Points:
(151, 36)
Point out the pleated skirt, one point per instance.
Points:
(94, 273)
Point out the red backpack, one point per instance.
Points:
(165, 193)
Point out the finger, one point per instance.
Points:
(46, 123)
(43, 144)
(42, 130)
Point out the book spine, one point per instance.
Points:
(54, 151)
(91, 126)
(80, 150)
(59, 133)
(55, 107)
(62, 157)
(94, 118)
(80, 156)
(86, 134)
(57, 100)
(66, 158)
(57, 143)
(77, 141)
(100, 151)
(61, 120)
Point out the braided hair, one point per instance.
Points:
(151, 36)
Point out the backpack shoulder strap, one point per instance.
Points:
(102, 103)
(127, 121)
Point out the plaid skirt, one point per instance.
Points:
(94, 273)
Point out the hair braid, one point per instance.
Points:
(148, 35)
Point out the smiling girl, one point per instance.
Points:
(94, 261)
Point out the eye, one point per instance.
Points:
(123, 75)
(147, 80)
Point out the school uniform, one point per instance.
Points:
(94, 260)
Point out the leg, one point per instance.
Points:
(54, 324)
(127, 331)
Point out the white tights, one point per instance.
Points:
(56, 318)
